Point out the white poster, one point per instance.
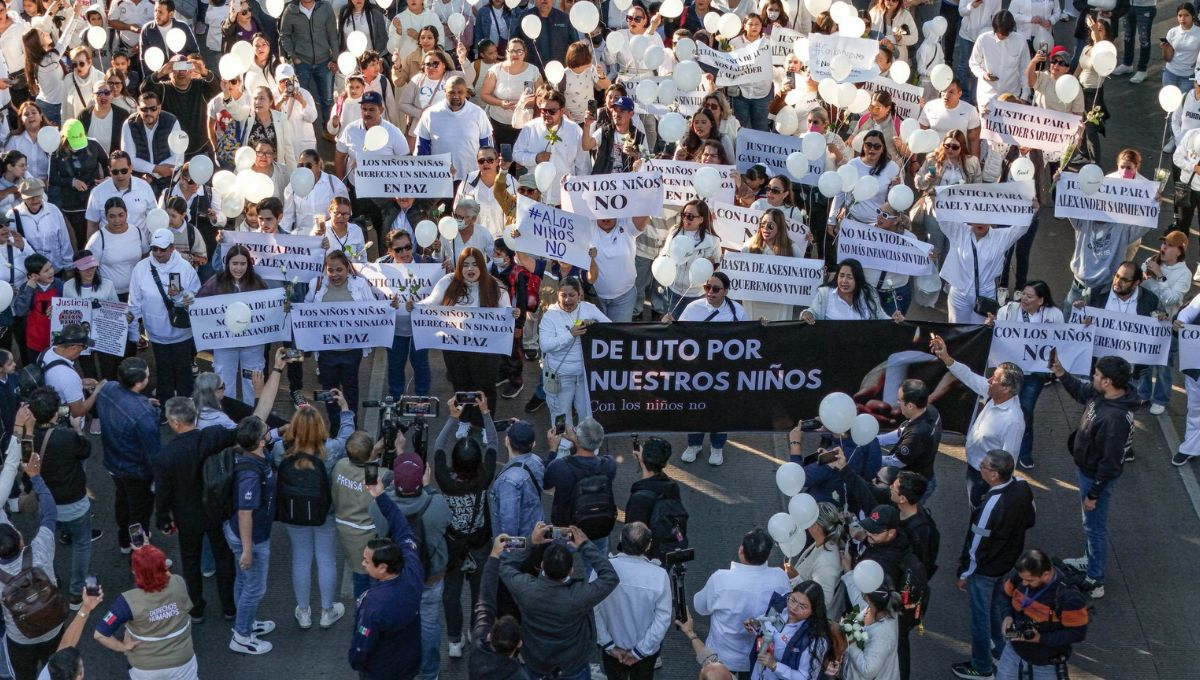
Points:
(985, 203)
(1028, 126)
(771, 278)
(1189, 348)
(783, 41)
(625, 194)
(908, 98)
(484, 330)
(860, 51)
(268, 320)
(1124, 201)
(876, 248)
(281, 257)
(110, 327)
(319, 326)
(1140, 340)
(1028, 345)
(377, 176)
(735, 225)
(64, 311)
(677, 181)
(743, 66)
(549, 232)
(409, 281)
(753, 147)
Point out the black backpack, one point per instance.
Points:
(418, 531)
(218, 475)
(33, 375)
(668, 522)
(1077, 579)
(593, 508)
(304, 495)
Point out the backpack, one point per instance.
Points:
(304, 496)
(1074, 578)
(533, 288)
(218, 475)
(418, 531)
(593, 508)
(36, 604)
(33, 375)
(668, 523)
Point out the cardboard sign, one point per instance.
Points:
(1140, 340)
(628, 194)
(549, 232)
(743, 66)
(906, 97)
(677, 181)
(281, 257)
(883, 250)
(1124, 201)
(753, 147)
(860, 51)
(319, 326)
(409, 281)
(1028, 126)
(268, 321)
(1004, 203)
(1028, 345)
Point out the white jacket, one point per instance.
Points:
(146, 302)
(821, 564)
(976, 20)
(1025, 11)
(637, 615)
(285, 152)
(1012, 312)
(1186, 117)
(563, 352)
(1172, 291)
(958, 268)
(820, 303)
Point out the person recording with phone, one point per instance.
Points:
(495, 641)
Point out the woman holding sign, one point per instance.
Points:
(692, 239)
(563, 323)
(873, 161)
(771, 239)
(237, 276)
(1033, 305)
(951, 163)
(86, 282)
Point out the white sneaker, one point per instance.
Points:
(716, 456)
(1077, 562)
(1157, 409)
(332, 615)
(1122, 70)
(456, 649)
(249, 645)
(689, 454)
(304, 617)
(1138, 77)
(1195, 277)
(263, 627)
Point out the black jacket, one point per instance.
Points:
(903, 569)
(996, 536)
(62, 466)
(923, 534)
(483, 661)
(1105, 432)
(179, 496)
(1147, 302)
(118, 115)
(919, 441)
(88, 165)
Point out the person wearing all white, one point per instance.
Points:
(299, 214)
(550, 137)
(299, 108)
(43, 225)
(351, 141)
(971, 244)
(695, 227)
(878, 659)
(50, 76)
(136, 193)
(413, 19)
(929, 54)
(470, 234)
(1036, 19)
(351, 240)
(998, 62)
(976, 20)
(901, 30)
(1170, 281)
(78, 88)
(614, 241)
(173, 348)
(1180, 51)
(559, 330)
(1189, 447)
(454, 126)
(865, 164)
(842, 301)
(949, 112)
(478, 186)
(118, 246)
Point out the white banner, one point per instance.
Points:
(1189, 348)
(677, 181)
(281, 257)
(626, 194)
(743, 66)
(110, 327)
(875, 248)
(549, 232)
(1028, 126)
(268, 321)
(65, 311)
(735, 224)
(783, 41)
(1124, 201)
(377, 176)
(483, 330)
(319, 326)
(860, 51)
(753, 147)
(771, 278)
(1028, 345)
(409, 281)
(908, 98)
(1140, 340)
(984, 203)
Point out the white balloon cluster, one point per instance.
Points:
(787, 528)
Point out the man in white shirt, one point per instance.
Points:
(128, 16)
(735, 594)
(165, 277)
(455, 126)
(144, 137)
(999, 425)
(949, 112)
(12, 254)
(58, 365)
(42, 225)
(135, 191)
(614, 246)
(299, 211)
(632, 621)
(352, 142)
(552, 138)
(999, 58)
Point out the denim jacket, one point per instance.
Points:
(130, 431)
(515, 503)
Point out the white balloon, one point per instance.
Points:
(48, 139)
(937, 26)
(862, 101)
(1169, 98)
(614, 42)
(846, 94)
(671, 9)
(940, 77)
(803, 509)
(866, 188)
(302, 182)
(664, 271)
(908, 126)
(797, 164)
(813, 145)
(275, 7)
(868, 576)
(839, 67)
(1090, 178)
(699, 270)
(254, 186)
(357, 43)
(156, 219)
(427, 233)
(667, 91)
(176, 39)
(1104, 47)
(853, 27)
(200, 169)
(712, 22)
(1021, 170)
(815, 7)
(448, 228)
(800, 49)
(375, 139)
(554, 71)
(654, 57)
(1067, 88)
(531, 26)
(456, 23)
(223, 182)
(782, 527)
(6, 295)
(232, 206)
(237, 317)
(849, 176)
(900, 72)
(786, 121)
(706, 181)
(544, 174)
(842, 11)
(244, 51)
(638, 45)
(856, 141)
(584, 16)
(900, 197)
(678, 251)
(729, 25)
(646, 91)
(672, 127)
(827, 88)
(837, 412)
(347, 63)
(789, 477)
(829, 183)
(865, 427)
(923, 141)
(243, 158)
(512, 4)
(231, 66)
(97, 37)
(685, 48)
(1104, 63)
(795, 546)
(154, 59)
(687, 75)
(177, 142)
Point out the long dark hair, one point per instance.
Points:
(864, 302)
(251, 281)
(884, 158)
(705, 218)
(95, 277)
(691, 141)
(818, 628)
(35, 54)
(489, 290)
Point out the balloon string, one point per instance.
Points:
(1162, 146)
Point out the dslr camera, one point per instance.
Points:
(1021, 630)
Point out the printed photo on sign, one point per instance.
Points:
(1004, 203)
(378, 176)
(753, 147)
(1028, 126)
(268, 320)
(876, 248)
(860, 51)
(734, 225)
(1124, 201)
(110, 327)
(318, 326)
(483, 330)
(281, 257)
(626, 194)
(908, 98)
(549, 232)
(769, 278)
(1028, 345)
(1140, 340)
(677, 181)
(64, 311)
(409, 281)
(743, 66)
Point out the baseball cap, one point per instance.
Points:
(32, 188)
(882, 518)
(409, 470)
(84, 260)
(75, 135)
(284, 71)
(371, 97)
(163, 238)
(623, 103)
(1176, 239)
(1057, 50)
(72, 334)
(527, 181)
(521, 435)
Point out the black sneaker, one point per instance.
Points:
(534, 404)
(97, 535)
(64, 538)
(1026, 464)
(197, 615)
(1179, 459)
(532, 355)
(512, 392)
(966, 670)
(1128, 457)
(298, 398)
(75, 602)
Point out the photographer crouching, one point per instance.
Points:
(1044, 616)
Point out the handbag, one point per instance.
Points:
(983, 305)
(177, 314)
(551, 383)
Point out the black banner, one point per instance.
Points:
(747, 377)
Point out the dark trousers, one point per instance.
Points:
(1021, 249)
(904, 653)
(26, 660)
(473, 372)
(615, 670)
(134, 503)
(512, 367)
(340, 369)
(191, 544)
(452, 594)
(953, 19)
(173, 368)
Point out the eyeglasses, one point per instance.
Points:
(688, 217)
(513, 50)
(797, 603)
(635, 18)
(487, 159)
(147, 109)
(103, 93)
(708, 288)
(81, 64)
(953, 146)
(433, 64)
(264, 153)
(774, 190)
(549, 112)
(872, 145)
(884, 214)
(119, 171)
(308, 164)
(402, 249)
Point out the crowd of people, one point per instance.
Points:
(141, 135)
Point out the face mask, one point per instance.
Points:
(1128, 174)
(499, 263)
(462, 224)
(813, 128)
(772, 15)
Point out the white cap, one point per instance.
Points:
(163, 238)
(284, 71)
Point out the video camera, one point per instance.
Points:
(408, 415)
(675, 561)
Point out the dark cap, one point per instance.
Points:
(623, 103)
(72, 334)
(371, 97)
(409, 470)
(882, 518)
(521, 435)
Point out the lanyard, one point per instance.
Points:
(1027, 599)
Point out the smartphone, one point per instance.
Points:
(247, 373)
(560, 424)
(324, 396)
(26, 449)
(292, 353)
(528, 87)
(635, 442)
(372, 472)
(560, 532)
(1053, 357)
(591, 107)
(515, 543)
(465, 398)
(1164, 41)
(91, 586)
(174, 280)
(137, 537)
(826, 457)
(66, 62)
(506, 152)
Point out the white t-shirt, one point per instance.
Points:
(350, 142)
(458, 133)
(118, 253)
(139, 200)
(937, 117)
(1187, 45)
(214, 19)
(580, 89)
(615, 251)
(133, 13)
(65, 380)
(700, 310)
(100, 129)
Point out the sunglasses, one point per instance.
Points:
(402, 249)
(549, 112)
(635, 18)
(244, 13)
(488, 159)
(708, 288)
(774, 190)
(147, 109)
(308, 164)
(433, 64)
(1058, 62)
(103, 93)
(81, 64)
(114, 83)
(953, 146)
(689, 216)
(119, 171)
(872, 145)
(884, 214)
(713, 106)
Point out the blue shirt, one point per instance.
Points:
(130, 431)
(254, 490)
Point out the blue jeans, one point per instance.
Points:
(986, 595)
(52, 112)
(645, 279)
(752, 113)
(962, 71)
(1142, 18)
(1013, 667)
(715, 439)
(80, 532)
(621, 308)
(896, 299)
(431, 631)
(249, 585)
(1095, 527)
(1155, 383)
(318, 80)
(1031, 389)
(401, 352)
(308, 543)
(1184, 83)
